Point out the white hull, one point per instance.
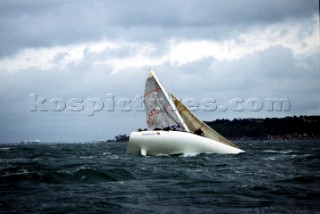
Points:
(175, 142)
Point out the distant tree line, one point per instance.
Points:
(118, 138)
(302, 127)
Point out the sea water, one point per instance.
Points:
(271, 177)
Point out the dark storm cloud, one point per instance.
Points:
(219, 49)
(27, 24)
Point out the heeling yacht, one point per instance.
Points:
(173, 129)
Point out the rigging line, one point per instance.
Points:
(142, 87)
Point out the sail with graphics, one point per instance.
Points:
(160, 110)
(173, 129)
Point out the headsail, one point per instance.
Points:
(197, 126)
(160, 110)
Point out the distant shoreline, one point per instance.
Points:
(249, 129)
(275, 138)
(287, 128)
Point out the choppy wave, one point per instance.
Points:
(271, 177)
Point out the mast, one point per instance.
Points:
(170, 102)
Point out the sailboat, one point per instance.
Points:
(173, 129)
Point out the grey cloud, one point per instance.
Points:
(37, 23)
(83, 81)
(205, 78)
(274, 72)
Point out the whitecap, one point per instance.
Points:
(106, 153)
(187, 155)
(162, 155)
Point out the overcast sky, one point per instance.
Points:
(235, 54)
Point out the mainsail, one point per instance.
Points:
(197, 126)
(160, 110)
